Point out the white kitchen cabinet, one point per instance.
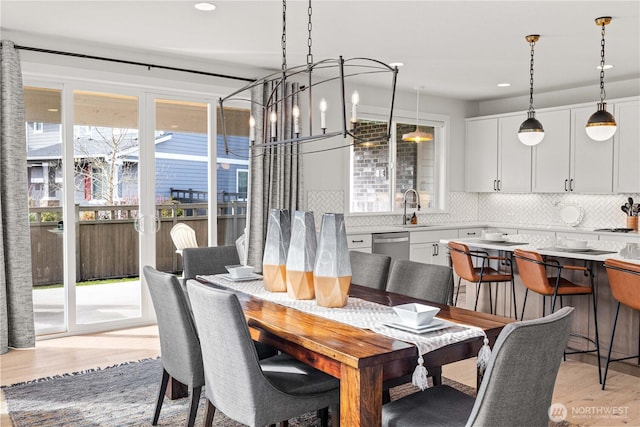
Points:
(592, 161)
(496, 159)
(551, 158)
(481, 155)
(626, 148)
(425, 246)
(514, 158)
(359, 242)
(567, 160)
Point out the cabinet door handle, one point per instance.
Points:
(357, 241)
(499, 185)
(471, 233)
(437, 249)
(566, 181)
(571, 184)
(495, 185)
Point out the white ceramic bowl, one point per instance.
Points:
(575, 244)
(416, 314)
(239, 271)
(494, 236)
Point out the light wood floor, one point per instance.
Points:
(577, 385)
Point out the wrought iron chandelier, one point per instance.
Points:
(289, 95)
(531, 131)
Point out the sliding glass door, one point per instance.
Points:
(105, 197)
(111, 171)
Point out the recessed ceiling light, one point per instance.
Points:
(504, 84)
(396, 64)
(205, 6)
(606, 67)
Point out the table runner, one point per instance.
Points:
(358, 313)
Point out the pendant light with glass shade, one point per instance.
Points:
(601, 125)
(417, 135)
(531, 131)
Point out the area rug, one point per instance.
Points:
(122, 395)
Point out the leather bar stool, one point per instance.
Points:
(533, 273)
(462, 261)
(624, 281)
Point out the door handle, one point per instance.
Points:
(566, 181)
(499, 185)
(157, 224)
(495, 185)
(436, 249)
(571, 184)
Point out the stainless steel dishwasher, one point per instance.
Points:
(395, 244)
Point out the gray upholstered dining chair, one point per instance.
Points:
(430, 282)
(370, 270)
(179, 346)
(208, 260)
(516, 389)
(248, 390)
(212, 260)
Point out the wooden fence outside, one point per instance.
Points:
(107, 242)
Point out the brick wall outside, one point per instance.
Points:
(370, 187)
(414, 168)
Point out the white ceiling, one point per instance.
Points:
(457, 49)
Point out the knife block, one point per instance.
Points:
(632, 222)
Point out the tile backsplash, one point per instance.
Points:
(600, 211)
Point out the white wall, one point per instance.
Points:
(591, 93)
(329, 171)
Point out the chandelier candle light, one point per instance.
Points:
(286, 98)
(531, 131)
(601, 125)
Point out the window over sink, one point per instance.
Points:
(381, 172)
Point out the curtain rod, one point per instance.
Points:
(122, 61)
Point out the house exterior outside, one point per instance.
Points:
(180, 164)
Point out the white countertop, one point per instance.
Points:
(544, 245)
(461, 225)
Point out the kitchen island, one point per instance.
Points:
(626, 343)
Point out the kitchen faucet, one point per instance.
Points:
(404, 199)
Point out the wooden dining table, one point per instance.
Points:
(360, 358)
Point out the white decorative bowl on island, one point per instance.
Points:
(575, 244)
(495, 237)
(414, 314)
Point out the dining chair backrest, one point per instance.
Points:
(183, 237)
(430, 282)
(462, 261)
(370, 270)
(518, 384)
(624, 281)
(179, 345)
(532, 271)
(236, 384)
(208, 260)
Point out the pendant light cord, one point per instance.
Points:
(309, 41)
(532, 44)
(602, 92)
(417, 107)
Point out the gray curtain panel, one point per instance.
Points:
(275, 177)
(16, 300)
